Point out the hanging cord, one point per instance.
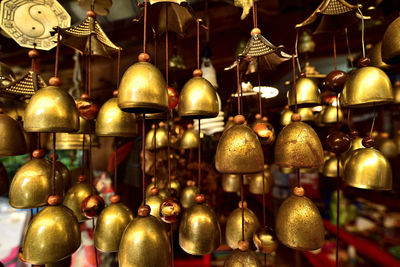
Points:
(294, 83)
(155, 155)
(373, 123)
(83, 155)
(155, 46)
(54, 165)
(145, 27)
(337, 187)
(238, 85)
(242, 201)
(198, 43)
(118, 67)
(115, 167)
(166, 45)
(362, 32)
(89, 68)
(169, 151)
(298, 178)
(144, 158)
(254, 14)
(259, 86)
(334, 51)
(348, 47)
(199, 159)
(57, 52)
(296, 50)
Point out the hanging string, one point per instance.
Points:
(95, 250)
(169, 151)
(144, 158)
(337, 187)
(259, 86)
(238, 84)
(348, 47)
(118, 67)
(198, 43)
(373, 123)
(199, 158)
(54, 165)
(155, 155)
(155, 45)
(298, 178)
(254, 14)
(242, 201)
(296, 50)
(57, 52)
(115, 167)
(89, 66)
(166, 45)
(334, 51)
(145, 27)
(362, 32)
(83, 155)
(294, 83)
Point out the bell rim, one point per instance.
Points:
(144, 108)
(361, 186)
(115, 134)
(51, 130)
(198, 114)
(368, 104)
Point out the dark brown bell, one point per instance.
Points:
(335, 81)
(170, 210)
(87, 108)
(338, 142)
(92, 206)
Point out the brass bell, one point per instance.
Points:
(375, 54)
(233, 231)
(231, 182)
(199, 230)
(143, 90)
(66, 176)
(306, 43)
(190, 138)
(154, 201)
(110, 226)
(239, 150)
(150, 242)
(7, 76)
(298, 223)
(161, 184)
(396, 92)
(238, 258)
(286, 115)
(74, 197)
(256, 182)
(307, 93)
(387, 146)
(112, 121)
(298, 146)
(161, 138)
(305, 113)
(366, 87)
(390, 43)
(175, 186)
(265, 241)
(367, 168)
(32, 184)
(3, 179)
(51, 109)
(187, 196)
(12, 137)
(356, 143)
(329, 115)
(397, 141)
(330, 167)
(198, 99)
(52, 235)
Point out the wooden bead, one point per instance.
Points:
(190, 183)
(335, 81)
(338, 142)
(33, 53)
(81, 178)
(51, 156)
(296, 117)
(243, 245)
(258, 116)
(199, 198)
(144, 211)
(368, 142)
(264, 119)
(91, 13)
(230, 118)
(54, 200)
(1, 111)
(197, 73)
(353, 133)
(85, 97)
(38, 153)
(161, 124)
(298, 191)
(154, 191)
(115, 199)
(242, 205)
(190, 126)
(239, 119)
(363, 62)
(255, 31)
(92, 206)
(55, 81)
(302, 74)
(115, 93)
(144, 57)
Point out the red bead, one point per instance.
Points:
(335, 81)
(51, 156)
(86, 108)
(38, 153)
(368, 142)
(363, 62)
(144, 57)
(170, 210)
(298, 191)
(154, 191)
(115, 93)
(115, 199)
(255, 31)
(92, 206)
(242, 205)
(173, 97)
(296, 117)
(239, 119)
(54, 200)
(197, 73)
(243, 245)
(91, 13)
(55, 81)
(81, 178)
(144, 211)
(33, 53)
(199, 198)
(338, 142)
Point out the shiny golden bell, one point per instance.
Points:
(233, 231)
(231, 182)
(198, 99)
(388, 148)
(187, 196)
(199, 230)
(356, 143)
(265, 241)
(143, 90)
(110, 226)
(112, 121)
(366, 87)
(190, 139)
(239, 151)
(375, 54)
(299, 225)
(51, 109)
(329, 115)
(390, 43)
(175, 186)
(330, 167)
(144, 243)
(367, 168)
(32, 184)
(256, 182)
(298, 146)
(69, 141)
(12, 137)
(161, 139)
(154, 201)
(286, 115)
(307, 93)
(74, 197)
(238, 258)
(52, 235)
(305, 113)
(66, 176)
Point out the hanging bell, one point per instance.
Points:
(233, 231)
(111, 224)
(298, 223)
(397, 141)
(161, 184)
(329, 115)
(366, 87)
(265, 241)
(390, 43)
(190, 138)
(305, 113)
(231, 182)
(174, 186)
(330, 167)
(198, 99)
(52, 235)
(66, 176)
(143, 88)
(367, 168)
(396, 92)
(238, 258)
(51, 109)
(3, 179)
(161, 138)
(75, 196)
(256, 182)
(239, 150)
(307, 93)
(188, 195)
(199, 230)
(112, 121)
(154, 201)
(387, 146)
(375, 54)
(150, 241)
(356, 143)
(298, 146)
(12, 137)
(286, 114)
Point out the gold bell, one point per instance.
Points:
(298, 146)
(160, 185)
(233, 231)
(390, 43)
(356, 143)
(198, 99)
(74, 197)
(150, 242)
(375, 54)
(66, 176)
(305, 113)
(110, 226)
(366, 87)
(161, 138)
(265, 241)
(286, 115)
(387, 146)
(175, 185)
(367, 168)
(330, 167)
(51, 109)
(239, 150)
(190, 138)
(187, 196)
(298, 223)
(52, 235)
(112, 121)
(397, 141)
(154, 201)
(256, 182)
(329, 115)
(238, 258)
(199, 230)
(231, 182)
(396, 92)
(307, 93)
(12, 137)
(143, 89)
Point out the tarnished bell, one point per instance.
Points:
(187, 196)
(390, 43)
(366, 87)
(110, 226)
(298, 146)
(231, 182)
(199, 230)
(329, 115)
(161, 138)
(143, 89)
(256, 182)
(51, 109)
(144, 243)
(52, 235)
(239, 151)
(233, 230)
(299, 225)
(74, 197)
(112, 121)
(307, 92)
(32, 184)
(198, 99)
(190, 139)
(367, 168)
(11, 136)
(238, 258)
(330, 167)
